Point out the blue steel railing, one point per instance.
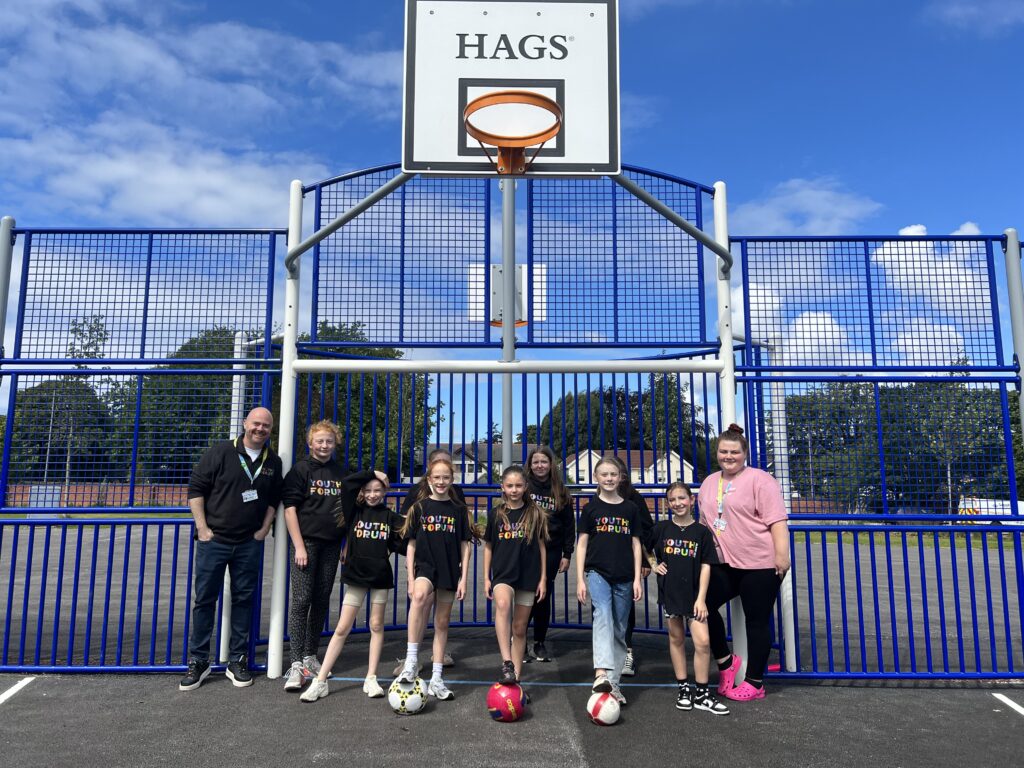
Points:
(904, 600)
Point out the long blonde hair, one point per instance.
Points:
(423, 493)
(535, 519)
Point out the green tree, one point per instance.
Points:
(382, 417)
(530, 436)
(659, 417)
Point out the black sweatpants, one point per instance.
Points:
(757, 590)
(311, 595)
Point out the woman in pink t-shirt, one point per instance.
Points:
(744, 509)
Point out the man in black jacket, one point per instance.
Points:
(233, 494)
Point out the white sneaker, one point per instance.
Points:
(629, 667)
(294, 679)
(401, 665)
(317, 690)
(372, 688)
(409, 672)
(439, 690)
(311, 664)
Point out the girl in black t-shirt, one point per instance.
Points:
(544, 482)
(373, 535)
(686, 551)
(439, 530)
(514, 567)
(608, 570)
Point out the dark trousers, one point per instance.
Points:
(541, 613)
(243, 562)
(757, 590)
(311, 595)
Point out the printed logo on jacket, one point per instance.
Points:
(367, 530)
(325, 487)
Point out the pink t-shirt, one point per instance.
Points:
(751, 503)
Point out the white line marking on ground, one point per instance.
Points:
(9, 693)
(1010, 703)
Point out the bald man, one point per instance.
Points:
(233, 494)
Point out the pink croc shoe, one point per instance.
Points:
(727, 677)
(745, 692)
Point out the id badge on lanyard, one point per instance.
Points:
(252, 494)
(720, 522)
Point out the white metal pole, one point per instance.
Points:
(722, 274)
(1015, 288)
(286, 435)
(508, 311)
(380, 365)
(727, 378)
(780, 448)
(6, 263)
(236, 420)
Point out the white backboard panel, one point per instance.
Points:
(456, 50)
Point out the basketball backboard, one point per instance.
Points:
(459, 50)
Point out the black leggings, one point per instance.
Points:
(757, 590)
(311, 595)
(541, 614)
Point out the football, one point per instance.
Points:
(603, 709)
(408, 698)
(506, 702)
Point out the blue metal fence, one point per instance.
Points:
(872, 380)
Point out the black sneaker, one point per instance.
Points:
(710, 704)
(197, 672)
(508, 673)
(238, 672)
(684, 699)
(540, 653)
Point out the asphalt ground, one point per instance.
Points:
(143, 720)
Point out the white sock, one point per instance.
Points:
(438, 668)
(412, 653)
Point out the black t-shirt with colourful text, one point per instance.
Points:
(683, 550)
(373, 535)
(611, 529)
(514, 561)
(439, 528)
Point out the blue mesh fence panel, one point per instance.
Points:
(142, 295)
(609, 270)
(902, 302)
(411, 270)
(92, 283)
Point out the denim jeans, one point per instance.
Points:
(243, 563)
(611, 612)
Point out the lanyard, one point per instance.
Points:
(263, 460)
(721, 496)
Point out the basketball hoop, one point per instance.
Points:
(512, 147)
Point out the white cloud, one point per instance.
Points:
(968, 229)
(922, 342)
(765, 312)
(986, 17)
(125, 171)
(820, 206)
(951, 281)
(816, 339)
(126, 114)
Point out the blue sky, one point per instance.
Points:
(839, 117)
(822, 116)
